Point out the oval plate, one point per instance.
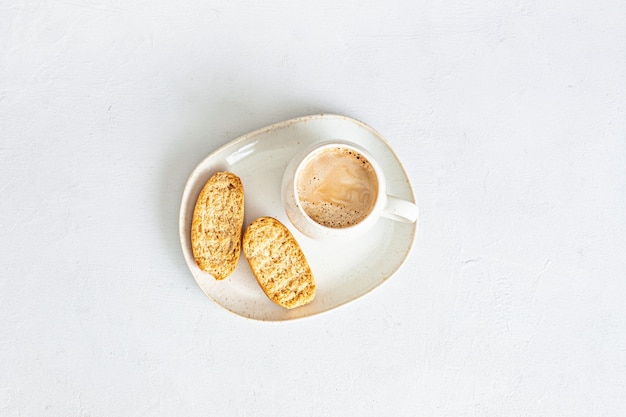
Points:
(344, 271)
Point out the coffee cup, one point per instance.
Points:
(336, 189)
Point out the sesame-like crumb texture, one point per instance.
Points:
(278, 263)
(217, 225)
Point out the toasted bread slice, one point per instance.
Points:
(278, 263)
(217, 225)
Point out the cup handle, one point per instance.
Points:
(400, 210)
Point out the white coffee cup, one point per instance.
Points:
(336, 189)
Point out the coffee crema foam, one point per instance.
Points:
(337, 188)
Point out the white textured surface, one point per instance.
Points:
(509, 115)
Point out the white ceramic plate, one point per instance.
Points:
(344, 271)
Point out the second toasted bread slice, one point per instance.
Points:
(217, 225)
(278, 263)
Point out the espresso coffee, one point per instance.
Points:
(337, 187)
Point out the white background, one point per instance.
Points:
(510, 117)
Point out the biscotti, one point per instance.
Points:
(217, 225)
(278, 263)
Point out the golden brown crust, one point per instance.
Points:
(217, 225)
(278, 263)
